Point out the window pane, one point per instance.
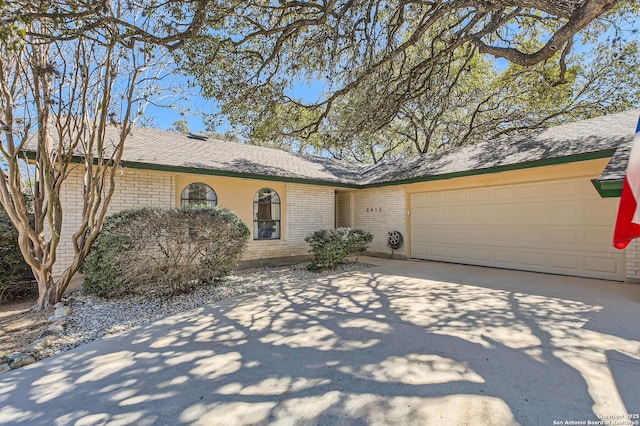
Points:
(266, 215)
(264, 211)
(265, 230)
(275, 211)
(266, 195)
(199, 193)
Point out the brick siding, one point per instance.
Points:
(632, 253)
(134, 188)
(307, 209)
(380, 210)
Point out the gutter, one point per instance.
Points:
(606, 189)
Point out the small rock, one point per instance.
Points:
(57, 318)
(41, 343)
(20, 359)
(90, 318)
(48, 333)
(4, 368)
(62, 311)
(53, 330)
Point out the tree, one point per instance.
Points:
(378, 60)
(180, 126)
(74, 77)
(13, 268)
(473, 101)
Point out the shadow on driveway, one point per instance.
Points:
(403, 343)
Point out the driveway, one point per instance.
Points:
(404, 343)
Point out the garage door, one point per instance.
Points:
(561, 227)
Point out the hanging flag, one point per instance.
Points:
(628, 221)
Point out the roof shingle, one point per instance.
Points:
(153, 146)
(147, 147)
(605, 133)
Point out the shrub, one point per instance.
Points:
(331, 246)
(163, 251)
(104, 267)
(15, 274)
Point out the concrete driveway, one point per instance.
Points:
(405, 343)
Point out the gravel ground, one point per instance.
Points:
(92, 318)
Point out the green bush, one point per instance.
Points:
(102, 267)
(163, 251)
(15, 274)
(331, 246)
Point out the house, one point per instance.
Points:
(542, 202)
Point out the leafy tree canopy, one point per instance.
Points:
(75, 76)
(407, 76)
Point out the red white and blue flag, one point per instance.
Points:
(628, 221)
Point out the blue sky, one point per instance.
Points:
(164, 117)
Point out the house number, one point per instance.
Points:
(374, 209)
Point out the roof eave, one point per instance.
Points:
(594, 155)
(213, 172)
(608, 188)
(226, 173)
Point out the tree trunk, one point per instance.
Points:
(47, 291)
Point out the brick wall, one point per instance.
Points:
(380, 210)
(632, 252)
(307, 208)
(134, 188)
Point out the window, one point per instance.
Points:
(266, 215)
(199, 193)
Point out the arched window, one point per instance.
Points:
(199, 193)
(266, 215)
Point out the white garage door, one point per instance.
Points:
(562, 227)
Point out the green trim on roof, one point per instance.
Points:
(608, 189)
(195, 170)
(509, 167)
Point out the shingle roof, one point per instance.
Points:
(154, 148)
(617, 166)
(616, 169)
(597, 135)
